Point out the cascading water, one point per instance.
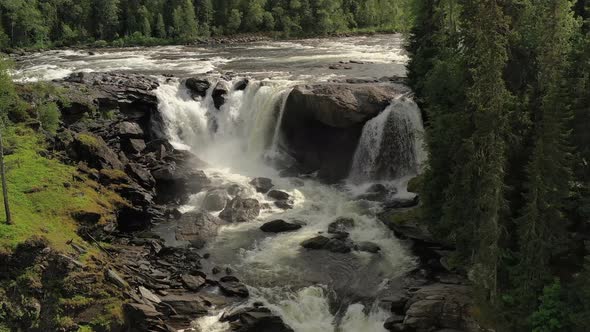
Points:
(391, 145)
(311, 291)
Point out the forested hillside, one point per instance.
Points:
(505, 87)
(45, 23)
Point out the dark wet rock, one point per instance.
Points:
(400, 203)
(215, 200)
(176, 182)
(279, 226)
(140, 174)
(129, 129)
(390, 323)
(376, 192)
(322, 123)
(232, 286)
(241, 210)
(197, 227)
(193, 282)
(339, 246)
(341, 226)
(94, 151)
(410, 230)
(278, 195)
(285, 205)
(198, 87)
(396, 303)
(367, 247)
(241, 84)
(220, 93)
(134, 218)
(142, 317)
(262, 185)
(318, 242)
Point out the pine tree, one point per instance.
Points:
(541, 225)
(160, 27)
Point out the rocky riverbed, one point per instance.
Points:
(159, 250)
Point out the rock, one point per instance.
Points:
(197, 226)
(235, 190)
(367, 247)
(148, 295)
(142, 317)
(339, 246)
(376, 192)
(134, 218)
(392, 321)
(341, 226)
(94, 151)
(133, 145)
(114, 278)
(254, 319)
(193, 282)
(318, 242)
(279, 226)
(400, 203)
(129, 130)
(231, 286)
(322, 123)
(176, 182)
(215, 200)
(186, 303)
(220, 93)
(441, 305)
(241, 210)
(197, 86)
(396, 303)
(262, 185)
(278, 195)
(410, 230)
(285, 205)
(241, 85)
(140, 174)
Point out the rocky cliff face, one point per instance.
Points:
(322, 123)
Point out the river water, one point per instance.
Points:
(313, 291)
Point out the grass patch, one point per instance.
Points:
(407, 216)
(90, 141)
(40, 202)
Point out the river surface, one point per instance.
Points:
(313, 291)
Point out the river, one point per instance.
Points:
(312, 291)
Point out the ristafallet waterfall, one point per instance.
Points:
(310, 291)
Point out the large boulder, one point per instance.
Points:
(220, 92)
(262, 185)
(175, 182)
(241, 210)
(215, 200)
(198, 87)
(94, 151)
(255, 319)
(322, 123)
(279, 226)
(197, 226)
(442, 306)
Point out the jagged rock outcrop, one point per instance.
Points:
(322, 123)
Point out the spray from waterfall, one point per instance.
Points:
(391, 144)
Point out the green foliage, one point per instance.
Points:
(38, 24)
(49, 115)
(551, 315)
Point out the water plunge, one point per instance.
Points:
(312, 291)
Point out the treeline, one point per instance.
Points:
(43, 23)
(505, 87)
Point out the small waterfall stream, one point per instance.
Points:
(312, 291)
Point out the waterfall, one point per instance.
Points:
(391, 144)
(244, 127)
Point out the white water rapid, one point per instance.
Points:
(313, 291)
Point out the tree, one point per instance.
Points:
(235, 21)
(8, 100)
(106, 18)
(160, 27)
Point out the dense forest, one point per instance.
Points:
(46, 23)
(505, 87)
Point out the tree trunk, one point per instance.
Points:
(4, 188)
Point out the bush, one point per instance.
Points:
(49, 116)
